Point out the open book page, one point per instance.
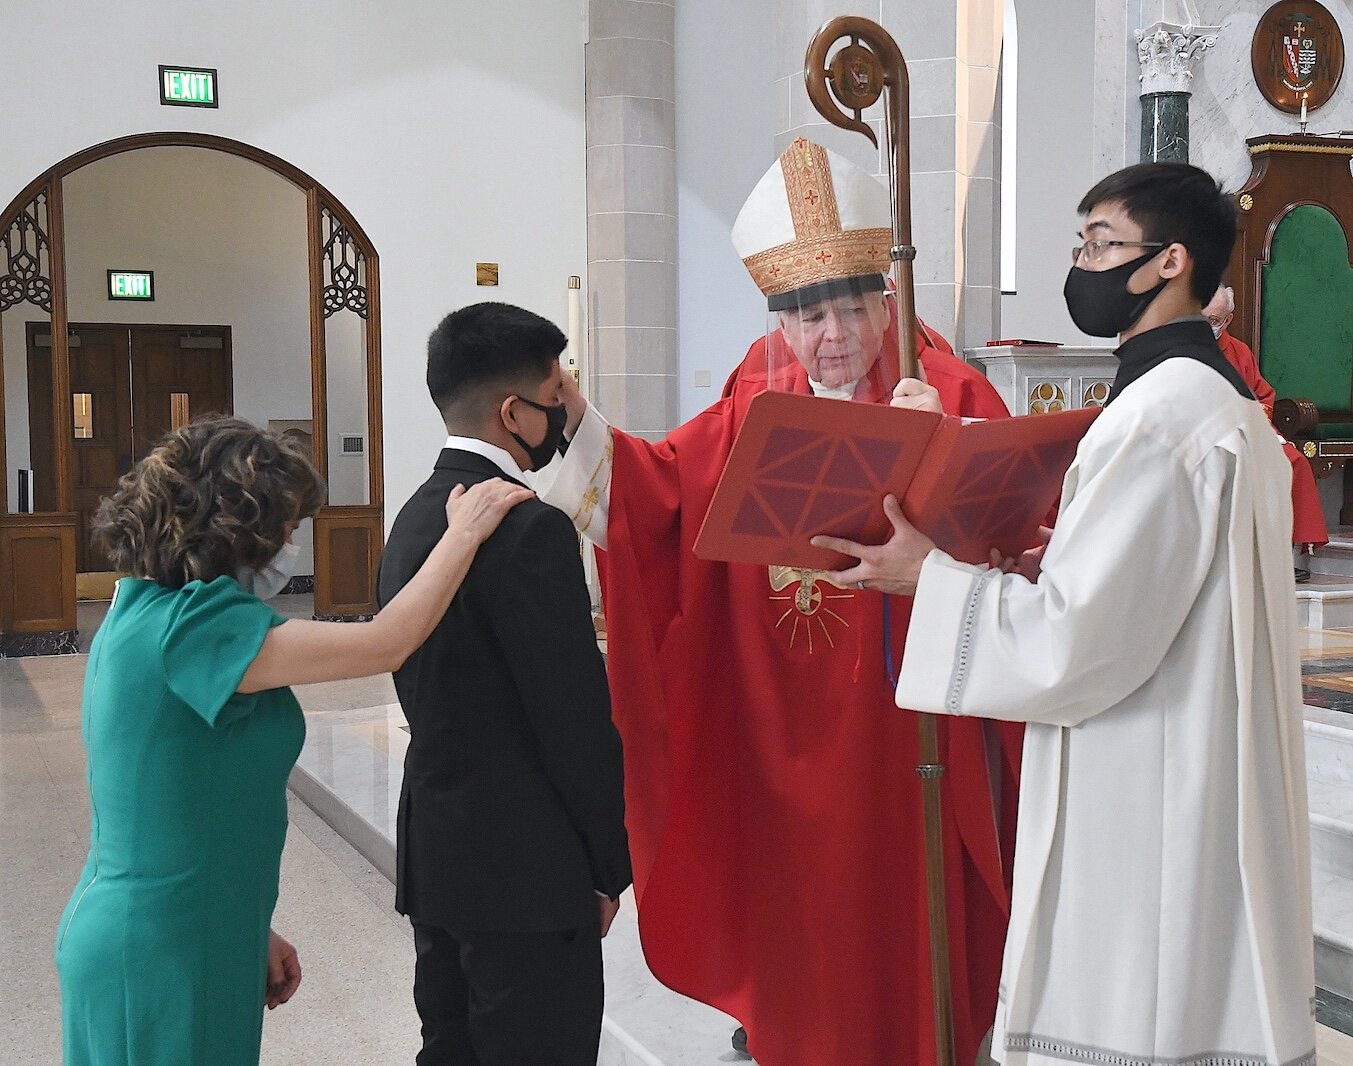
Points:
(803, 466)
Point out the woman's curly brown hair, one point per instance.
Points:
(213, 498)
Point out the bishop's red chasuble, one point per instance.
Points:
(773, 804)
(1308, 518)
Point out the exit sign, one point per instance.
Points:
(188, 87)
(131, 284)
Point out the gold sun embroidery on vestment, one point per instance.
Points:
(808, 602)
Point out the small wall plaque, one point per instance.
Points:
(131, 285)
(188, 87)
(1297, 55)
(486, 273)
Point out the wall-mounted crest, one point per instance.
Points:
(1297, 54)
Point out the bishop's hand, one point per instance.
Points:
(916, 395)
(892, 567)
(574, 403)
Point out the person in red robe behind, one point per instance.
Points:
(1308, 518)
(775, 826)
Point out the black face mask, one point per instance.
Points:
(556, 417)
(1099, 301)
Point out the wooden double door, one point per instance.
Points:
(129, 385)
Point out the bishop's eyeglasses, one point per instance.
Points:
(1091, 250)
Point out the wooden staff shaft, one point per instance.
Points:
(903, 252)
(907, 360)
(930, 771)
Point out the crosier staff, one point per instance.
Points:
(867, 68)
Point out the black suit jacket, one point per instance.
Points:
(512, 809)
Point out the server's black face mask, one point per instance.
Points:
(1099, 300)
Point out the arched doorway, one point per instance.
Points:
(38, 546)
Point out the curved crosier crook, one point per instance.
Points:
(857, 74)
(855, 79)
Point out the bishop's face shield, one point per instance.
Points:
(838, 339)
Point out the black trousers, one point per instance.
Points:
(508, 999)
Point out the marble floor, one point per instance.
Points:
(1327, 668)
(336, 904)
(354, 1005)
(336, 900)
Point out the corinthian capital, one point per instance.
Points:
(1168, 53)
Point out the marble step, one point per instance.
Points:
(1332, 903)
(1329, 746)
(1325, 603)
(1335, 558)
(1331, 827)
(1329, 768)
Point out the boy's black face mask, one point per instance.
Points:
(556, 418)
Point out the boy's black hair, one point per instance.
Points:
(488, 348)
(1180, 203)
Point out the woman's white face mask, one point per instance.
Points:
(271, 578)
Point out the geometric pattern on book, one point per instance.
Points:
(988, 491)
(806, 480)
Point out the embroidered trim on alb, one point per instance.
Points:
(1064, 1049)
(960, 675)
(592, 496)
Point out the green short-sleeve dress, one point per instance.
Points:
(162, 949)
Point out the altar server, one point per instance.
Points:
(1162, 906)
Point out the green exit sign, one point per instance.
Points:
(131, 284)
(188, 86)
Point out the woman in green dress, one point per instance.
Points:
(165, 953)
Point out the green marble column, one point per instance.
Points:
(1165, 128)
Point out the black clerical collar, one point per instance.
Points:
(1190, 338)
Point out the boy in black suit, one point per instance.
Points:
(511, 838)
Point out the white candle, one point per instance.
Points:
(574, 364)
(1303, 109)
(573, 356)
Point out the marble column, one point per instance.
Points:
(1165, 128)
(953, 55)
(631, 213)
(1168, 53)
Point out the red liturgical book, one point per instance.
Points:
(802, 466)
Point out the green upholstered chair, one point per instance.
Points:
(1294, 291)
(1306, 332)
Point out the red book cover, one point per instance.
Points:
(802, 466)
